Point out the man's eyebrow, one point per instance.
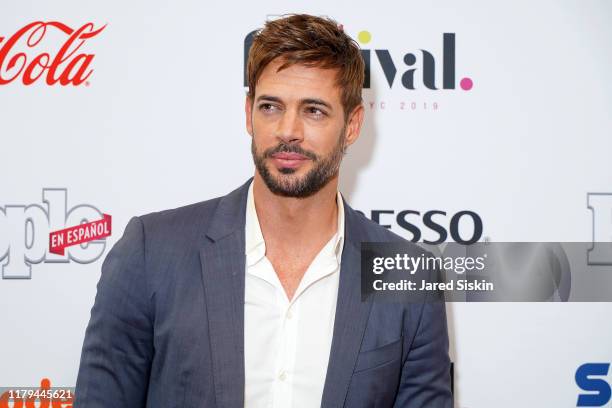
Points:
(305, 101)
(268, 98)
(315, 101)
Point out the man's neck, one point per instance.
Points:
(287, 222)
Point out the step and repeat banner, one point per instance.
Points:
(485, 122)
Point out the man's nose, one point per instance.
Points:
(290, 128)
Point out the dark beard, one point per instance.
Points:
(324, 169)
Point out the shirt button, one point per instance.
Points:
(282, 376)
(289, 314)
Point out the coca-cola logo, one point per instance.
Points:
(65, 63)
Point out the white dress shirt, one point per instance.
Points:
(287, 342)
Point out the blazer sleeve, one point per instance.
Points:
(426, 380)
(118, 350)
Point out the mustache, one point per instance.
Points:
(290, 148)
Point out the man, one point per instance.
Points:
(253, 299)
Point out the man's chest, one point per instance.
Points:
(290, 270)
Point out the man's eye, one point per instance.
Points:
(266, 107)
(315, 111)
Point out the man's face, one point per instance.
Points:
(298, 130)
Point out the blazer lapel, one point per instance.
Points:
(222, 258)
(351, 317)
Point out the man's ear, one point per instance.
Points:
(248, 110)
(355, 122)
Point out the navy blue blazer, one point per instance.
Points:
(167, 326)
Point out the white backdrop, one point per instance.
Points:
(163, 111)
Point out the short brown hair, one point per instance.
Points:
(311, 41)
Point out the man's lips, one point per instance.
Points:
(291, 160)
(289, 156)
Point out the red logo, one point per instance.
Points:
(91, 231)
(68, 65)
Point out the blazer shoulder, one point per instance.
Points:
(370, 231)
(375, 232)
(177, 224)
